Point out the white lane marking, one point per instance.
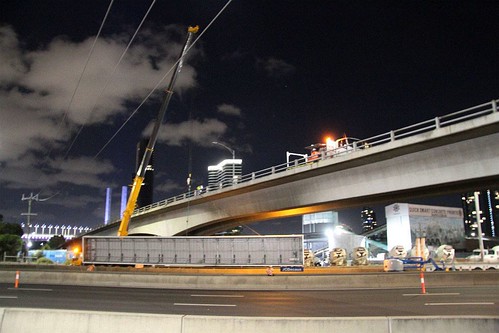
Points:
(31, 289)
(8, 296)
(463, 303)
(195, 304)
(228, 296)
(433, 294)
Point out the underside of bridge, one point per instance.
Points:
(457, 188)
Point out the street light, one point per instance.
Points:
(233, 152)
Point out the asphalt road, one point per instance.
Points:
(345, 303)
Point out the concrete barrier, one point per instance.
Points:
(255, 282)
(196, 324)
(468, 324)
(47, 320)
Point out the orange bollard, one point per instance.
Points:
(423, 288)
(16, 284)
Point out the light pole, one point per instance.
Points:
(479, 223)
(233, 152)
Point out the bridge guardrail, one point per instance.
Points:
(404, 132)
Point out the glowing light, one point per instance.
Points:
(329, 233)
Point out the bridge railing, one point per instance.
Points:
(404, 132)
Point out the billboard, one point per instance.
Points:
(439, 225)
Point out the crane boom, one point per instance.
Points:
(141, 171)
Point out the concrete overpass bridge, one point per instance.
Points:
(449, 154)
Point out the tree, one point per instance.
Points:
(11, 229)
(10, 244)
(10, 238)
(55, 242)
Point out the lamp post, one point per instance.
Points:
(233, 152)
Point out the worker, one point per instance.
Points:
(199, 189)
(314, 155)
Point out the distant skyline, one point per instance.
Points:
(265, 78)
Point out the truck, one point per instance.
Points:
(474, 261)
(489, 255)
(279, 250)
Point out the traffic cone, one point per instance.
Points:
(16, 283)
(423, 287)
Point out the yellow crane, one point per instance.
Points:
(139, 177)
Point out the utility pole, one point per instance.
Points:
(29, 213)
(233, 152)
(30, 200)
(479, 223)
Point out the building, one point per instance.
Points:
(488, 203)
(368, 217)
(224, 174)
(319, 223)
(315, 228)
(323, 232)
(439, 225)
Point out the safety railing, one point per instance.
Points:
(401, 133)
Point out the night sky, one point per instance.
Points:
(267, 77)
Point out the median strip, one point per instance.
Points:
(31, 289)
(196, 304)
(228, 296)
(433, 294)
(464, 303)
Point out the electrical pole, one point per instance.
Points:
(233, 152)
(479, 223)
(30, 199)
(29, 213)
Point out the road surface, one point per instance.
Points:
(337, 303)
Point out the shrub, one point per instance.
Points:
(44, 261)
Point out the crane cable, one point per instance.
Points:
(66, 112)
(160, 82)
(189, 177)
(110, 77)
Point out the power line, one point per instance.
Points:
(90, 53)
(159, 82)
(110, 77)
(83, 72)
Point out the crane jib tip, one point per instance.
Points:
(194, 29)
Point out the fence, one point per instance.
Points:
(393, 135)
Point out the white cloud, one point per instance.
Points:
(28, 172)
(37, 86)
(168, 187)
(81, 171)
(202, 132)
(276, 68)
(55, 71)
(23, 130)
(229, 109)
(10, 56)
(234, 56)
